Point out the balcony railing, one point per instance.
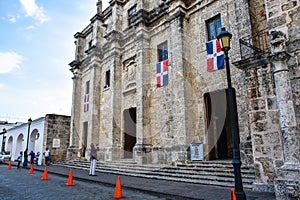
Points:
(255, 45)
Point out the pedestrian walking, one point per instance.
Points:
(19, 159)
(37, 158)
(32, 156)
(25, 162)
(47, 156)
(93, 159)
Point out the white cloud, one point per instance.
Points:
(33, 10)
(12, 18)
(30, 27)
(9, 61)
(1, 85)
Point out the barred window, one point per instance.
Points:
(213, 26)
(162, 52)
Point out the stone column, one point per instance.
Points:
(287, 183)
(73, 149)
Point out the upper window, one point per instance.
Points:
(90, 43)
(107, 79)
(87, 87)
(213, 26)
(131, 11)
(162, 52)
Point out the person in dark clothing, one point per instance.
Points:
(32, 156)
(25, 162)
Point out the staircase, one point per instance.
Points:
(217, 173)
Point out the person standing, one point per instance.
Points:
(93, 159)
(25, 162)
(47, 156)
(20, 159)
(32, 156)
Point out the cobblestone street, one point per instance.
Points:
(19, 184)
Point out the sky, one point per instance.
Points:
(36, 47)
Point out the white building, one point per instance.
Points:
(52, 131)
(18, 136)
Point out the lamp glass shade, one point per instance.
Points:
(29, 121)
(224, 38)
(225, 42)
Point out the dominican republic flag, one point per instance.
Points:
(86, 103)
(162, 73)
(215, 56)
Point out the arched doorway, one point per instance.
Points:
(9, 145)
(129, 131)
(32, 140)
(19, 146)
(219, 138)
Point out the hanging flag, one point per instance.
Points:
(162, 73)
(86, 102)
(215, 56)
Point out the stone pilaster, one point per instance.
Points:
(116, 73)
(178, 88)
(143, 145)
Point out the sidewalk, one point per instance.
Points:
(163, 188)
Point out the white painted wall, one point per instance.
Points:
(16, 138)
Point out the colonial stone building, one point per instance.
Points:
(142, 90)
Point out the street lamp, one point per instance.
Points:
(3, 143)
(29, 123)
(224, 37)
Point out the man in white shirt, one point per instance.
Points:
(47, 156)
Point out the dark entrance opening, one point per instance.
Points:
(219, 144)
(84, 138)
(129, 131)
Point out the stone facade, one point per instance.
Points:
(57, 135)
(118, 106)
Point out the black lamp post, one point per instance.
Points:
(3, 143)
(224, 37)
(29, 123)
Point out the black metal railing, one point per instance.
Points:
(254, 45)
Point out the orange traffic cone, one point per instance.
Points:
(9, 165)
(232, 194)
(70, 179)
(45, 176)
(118, 189)
(31, 169)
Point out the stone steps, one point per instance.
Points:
(209, 173)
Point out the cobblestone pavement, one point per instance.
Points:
(17, 184)
(159, 189)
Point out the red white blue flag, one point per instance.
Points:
(162, 73)
(215, 56)
(86, 103)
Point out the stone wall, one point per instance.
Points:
(57, 135)
(264, 125)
